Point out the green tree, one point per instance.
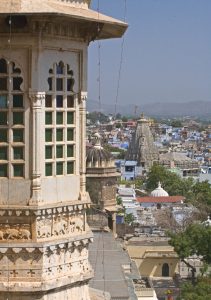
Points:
(176, 123)
(201, 291)
(118, 200)
(118, 125)
(202, 192)
(171, 182)
(129, 218)
(124, 119)
(194, 240)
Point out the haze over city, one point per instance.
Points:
(167, 53)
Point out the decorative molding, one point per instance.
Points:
(37, 98)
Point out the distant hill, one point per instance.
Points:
(192, 109)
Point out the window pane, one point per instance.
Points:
(48, 118)
(3, 170)
(59, 84)
(70, 101)
(59, 68)
(48, 169)
(59, 151)
(59, 101)
(48, 101)
(15, 70)
(70, 150)
(18, 153)
(50, 83)
(3, 153)
(17, 100)
(17, 83)
(18, 118)
(70, 167)
(48, 152)
(3, 84)
(3, 66)
(3, 135)
(17, 135)
(70, 84)
(59, 118)
(59, 168)
(70, 117)
(3, 118)
(3, 101)
(59, 135)
(48, 135)
(18, 170)
(70, 134)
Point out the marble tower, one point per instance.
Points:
(44, 236)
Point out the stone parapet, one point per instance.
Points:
(44, 248)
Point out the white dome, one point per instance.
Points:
(159, 192)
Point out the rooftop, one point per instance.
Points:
(109, 27)
(163, 199)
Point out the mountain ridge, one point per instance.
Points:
(157, 109)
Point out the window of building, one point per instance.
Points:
(12, 121)
(60, 122)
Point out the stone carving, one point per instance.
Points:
(1, 235)
(18, 232)
(12, 234)
(25, 234)
(43, 232)
(60, 225)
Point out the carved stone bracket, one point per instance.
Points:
(36, 99)
(82, 97)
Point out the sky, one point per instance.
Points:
(166, 57)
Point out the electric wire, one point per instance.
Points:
(121, 61)
(99, 57)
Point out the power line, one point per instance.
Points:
(121, 60)
(99, 57)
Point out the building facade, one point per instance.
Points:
(44, 237)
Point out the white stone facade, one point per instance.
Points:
(44, 236)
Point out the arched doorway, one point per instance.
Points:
(165, 270)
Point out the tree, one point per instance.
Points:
(176, 123)
(202, 192)
(129, 218)
(201, 291)
(194, 240)
(171, 182)
(118, 200)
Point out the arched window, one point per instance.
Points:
(60, 122)
(165, 270)
(12, 121)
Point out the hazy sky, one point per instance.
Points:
(167, 52)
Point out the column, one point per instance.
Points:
(82, 110)
(37, 99)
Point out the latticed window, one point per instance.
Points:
(12, 121)
(60, 122)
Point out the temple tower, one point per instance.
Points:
(44, 237)
(142, 148)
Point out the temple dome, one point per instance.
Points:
(159, 192)
(97, 156)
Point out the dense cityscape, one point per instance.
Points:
(93, 205)
(163, 200)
